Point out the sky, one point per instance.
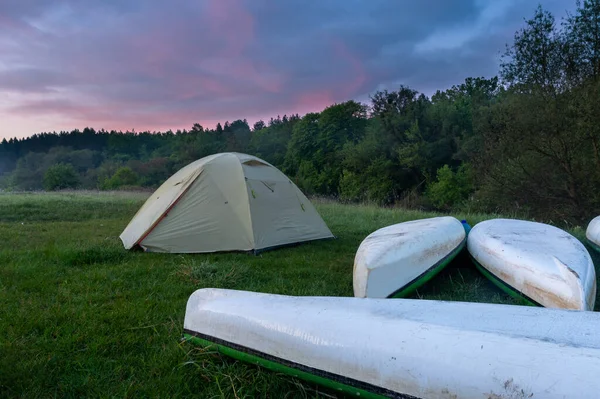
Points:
(157, 65)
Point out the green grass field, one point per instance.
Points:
(83, 317)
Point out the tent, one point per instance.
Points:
(224, 202)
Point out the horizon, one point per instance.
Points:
(68, 67)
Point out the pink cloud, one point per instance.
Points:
(229, 20)
(186, 61)
(358, 75)
(108, 117)
(353, 76)
(234, 27)
(313, 101)
(177, 67)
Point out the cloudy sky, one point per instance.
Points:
(155, 65)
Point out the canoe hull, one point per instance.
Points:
(405, 348)
(392, 262)
(592, 233)
(504, 286)
(541, 263)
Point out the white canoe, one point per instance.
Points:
(592, 233)
(544, 264)
(395, 260)
(405, 348)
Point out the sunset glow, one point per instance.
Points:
(153, 65)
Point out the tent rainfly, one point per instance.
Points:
(224, 202)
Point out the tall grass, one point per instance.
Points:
(83, 317)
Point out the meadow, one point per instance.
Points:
(81, 316)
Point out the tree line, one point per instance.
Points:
(525, 142)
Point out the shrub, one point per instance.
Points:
(124, 176)
(375, 183)
(450, 188)
(60, 176)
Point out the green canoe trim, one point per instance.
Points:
(593, 245)
(511, 291)
(428, 274)
(333, 381)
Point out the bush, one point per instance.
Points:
(4, 181)
(351, 187)
(375, 183)
(60, 176)
(450, 188)
(124, 176)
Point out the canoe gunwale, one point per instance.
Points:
(428, 274)
(331, 380)
(505, 287)
(592, 244)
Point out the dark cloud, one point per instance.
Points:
(169, 64)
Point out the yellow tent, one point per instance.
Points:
(224, 202)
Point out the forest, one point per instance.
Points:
(525, 142)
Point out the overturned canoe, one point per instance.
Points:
(541, 263)
(405, 348)
(592, 233)
(395, 260)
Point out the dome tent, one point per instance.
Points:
(224, 202)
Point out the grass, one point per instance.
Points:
(83, 317)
